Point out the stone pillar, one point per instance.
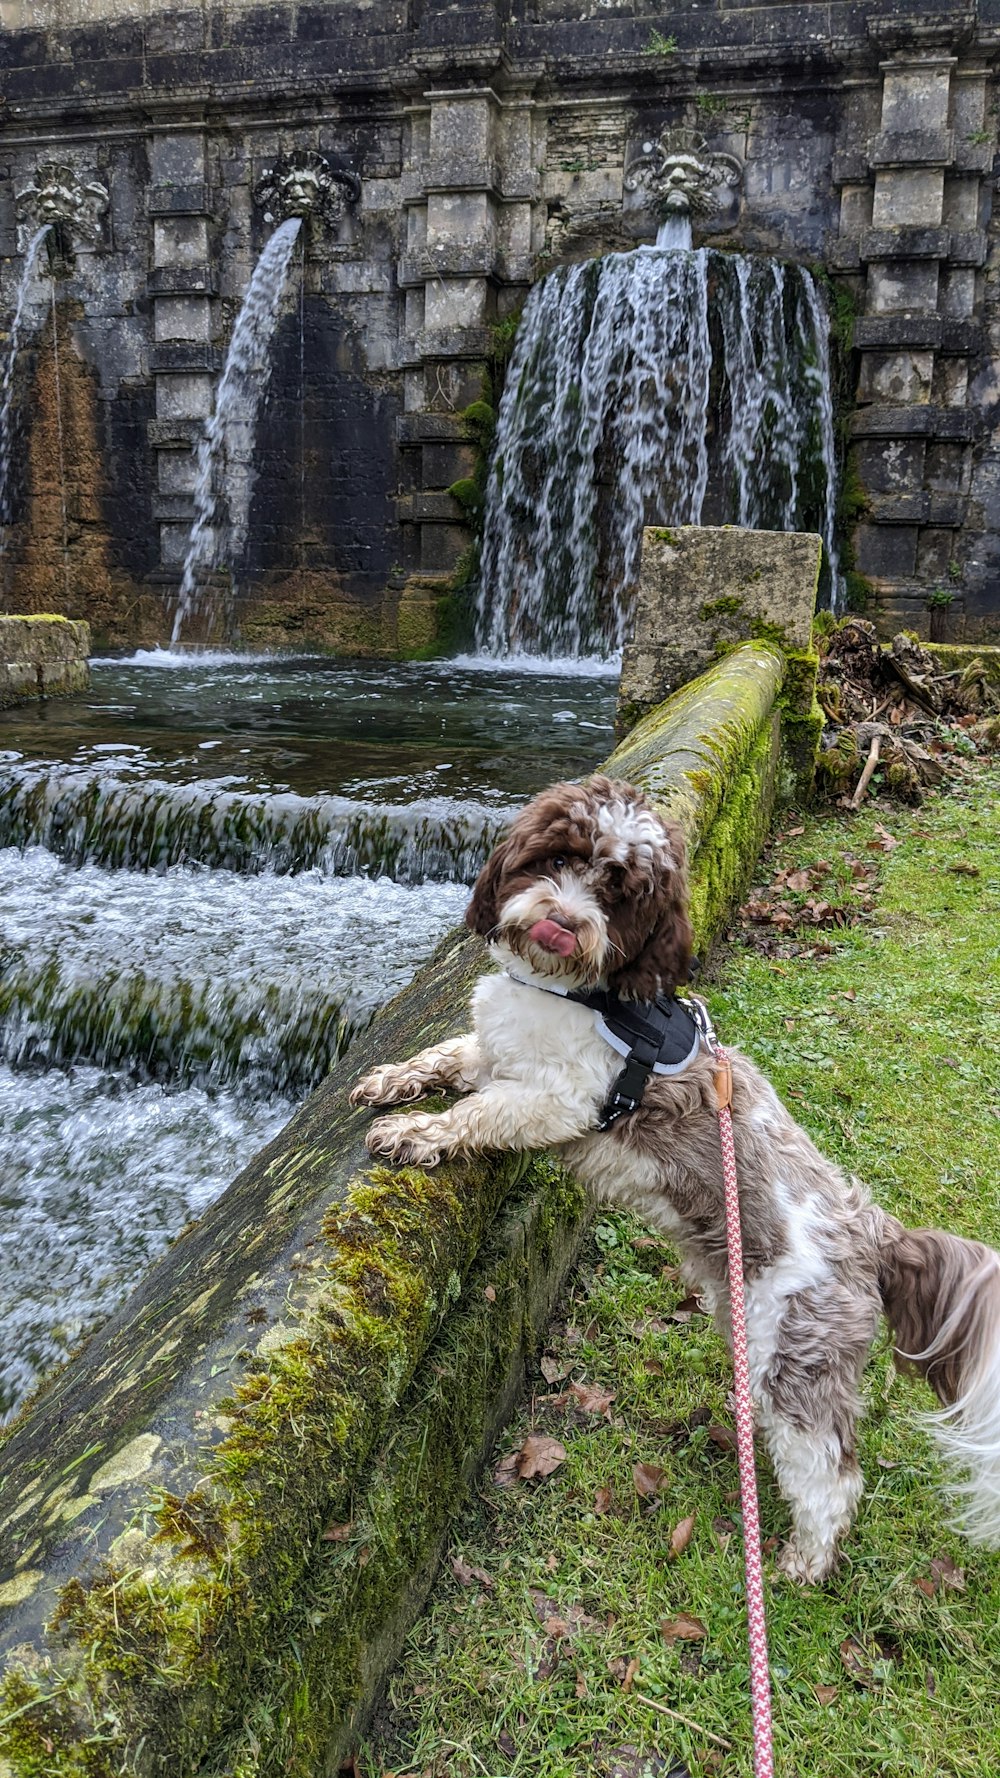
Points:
(913, 208)
(469, 185)
(184, 361)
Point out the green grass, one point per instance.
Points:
(891, 1063)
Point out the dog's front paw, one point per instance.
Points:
(405, 1140)
(388, 1085)
(806, 1569)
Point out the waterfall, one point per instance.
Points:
(606, 404)
(642, 383)
(225, 467)
(15, 342)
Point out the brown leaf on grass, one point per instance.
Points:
(556, 1627)
(490, 1294)
(925, 1586)
(580, 1689)
(849, 994)
(552, 1563)
(724, 1437)
(552, 1369)
(792, 833)
(859, 1662)
(691, 1305)
(505, 1474)
(723, 1529)
(648, 1478)
(962, 869)
(826, 1694)
(799, 880)
(364, 1556)
(592, 1399)
(946, 1575)
(467, 1572)
(337, 1533)
(602, 1501)
(680, 1537)
(885, 841)
(539, 1457)
(653, 1367)
(682, 1628)
(631, 1673)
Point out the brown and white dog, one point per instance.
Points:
(588, 889)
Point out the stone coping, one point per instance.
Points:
(174, 1563)
(42, 656)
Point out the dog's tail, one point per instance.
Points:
(941, 1296)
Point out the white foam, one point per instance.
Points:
(585, 666)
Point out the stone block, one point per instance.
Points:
(182, 280)
(187, 396)
(886, 552)
(42, 656)
(180, 240)
(915, 97)
(905, 243)
(903, 288)
(890, 466)
(177, 160)
(704, 589)
(182, 318)
(929, 421)
(178, 200)
(909, 198)
(896, 376)
(913, 148)
(887, 331)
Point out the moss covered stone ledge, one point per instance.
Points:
(42, 657)
(218, 1521)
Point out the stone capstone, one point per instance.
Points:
(42, 657)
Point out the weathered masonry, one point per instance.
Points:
(474, 146)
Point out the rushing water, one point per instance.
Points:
(226, 472)
(7, 388)
(212, 870)
(641, 384)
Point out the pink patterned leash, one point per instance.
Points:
(760, 1677)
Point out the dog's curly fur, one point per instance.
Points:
(822, 1261)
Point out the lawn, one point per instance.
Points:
(572, 1604)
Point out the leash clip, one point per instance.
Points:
(723, 1068)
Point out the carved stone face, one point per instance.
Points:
(59, 195)
(300, 190)
(683, 183)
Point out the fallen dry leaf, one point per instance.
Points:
(885, 841)
(505, 1474)
(552, 1369)
(692, 1305)
(827, 1694)
(682, 1628)
(592, 1399)
(466, 1573)
(648, 1478)
(580, 1689)
(602, 1500)
(653, 1366)
(337, 1533)
(631, 1672)
(962, 869)
(539, 1457)
(680, 1537)
(557, 1627)
(552, 1563)
(490, 1294)
(724, 1437)
(723, 1529)
(945, 1573)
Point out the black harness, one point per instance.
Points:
(661, 1036)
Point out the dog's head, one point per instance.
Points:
(589, 887)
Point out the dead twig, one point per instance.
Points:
(866, 777)
(665, 1710)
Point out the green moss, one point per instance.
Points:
(728, 606)
(859, 592)
(725, 861)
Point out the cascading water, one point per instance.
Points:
(225, 474)
(644, 386)
(18, 328)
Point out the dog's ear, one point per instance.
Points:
(481, 913)
(662, 935)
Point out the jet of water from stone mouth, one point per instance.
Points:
(225, 467)
(675, 231)
(16, 340)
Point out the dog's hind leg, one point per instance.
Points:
(454, 1064)
(809, 1405)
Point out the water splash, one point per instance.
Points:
(605, 426)
(198, 975)
(16, 340)
(674, 231)
(226, 474)
(606, 402)
(88, 816)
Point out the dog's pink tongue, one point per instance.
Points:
(553, 937)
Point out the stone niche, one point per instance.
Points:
(441, 162)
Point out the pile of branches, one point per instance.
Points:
(893, 710)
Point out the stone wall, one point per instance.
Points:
(490, 141)
(42, 657)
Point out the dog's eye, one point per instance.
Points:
(558, 862)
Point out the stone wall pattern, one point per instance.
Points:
(491, 140)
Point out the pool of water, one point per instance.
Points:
(212, 871)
